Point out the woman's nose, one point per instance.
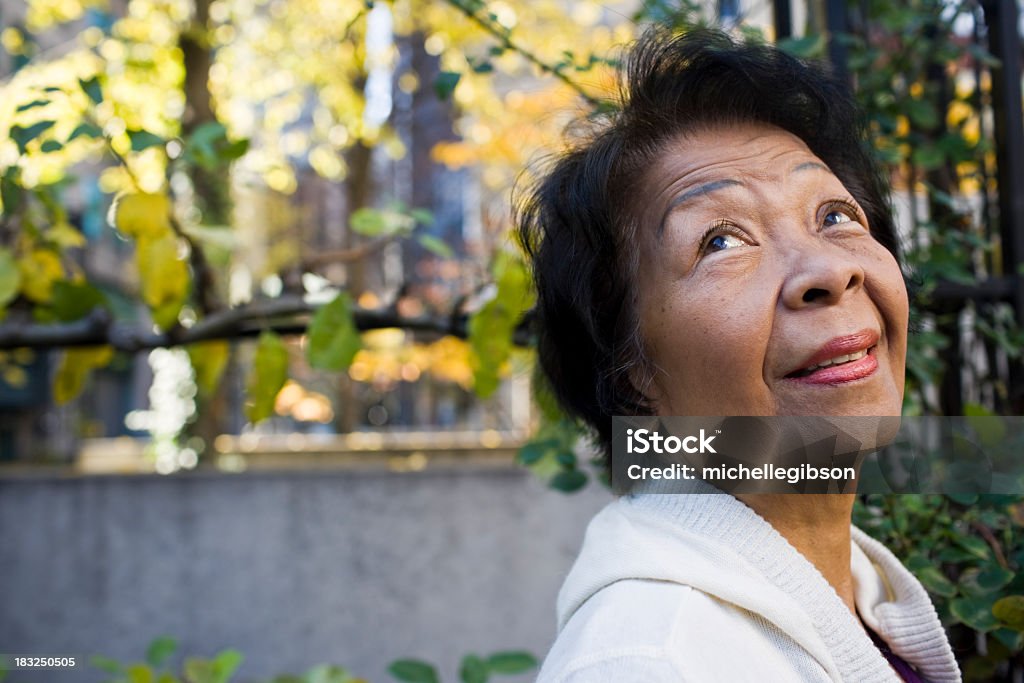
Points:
(820, 277)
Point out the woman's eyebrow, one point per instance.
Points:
(708, 188)
(811, 164)
(698, 191)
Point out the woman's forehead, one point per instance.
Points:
(755, 149)
(715, 162)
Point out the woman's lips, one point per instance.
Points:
(839, 374)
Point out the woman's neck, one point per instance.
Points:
(818, 526)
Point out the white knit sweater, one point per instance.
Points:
(698, 587)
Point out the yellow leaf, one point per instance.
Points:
(268, 376)
(39, 269)
(164, 277)
(143, 215)
(208, 359)
(15, 376)
(74, 369)
(64, 235)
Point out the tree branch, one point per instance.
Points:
(357, 253)
(506, 41)
(287, 315)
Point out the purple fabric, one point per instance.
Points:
(907, 673)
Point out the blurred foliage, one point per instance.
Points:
(968, 552)
(176, 109)
(924, 86)
(158, 667)
(922, 75)
(472, 668)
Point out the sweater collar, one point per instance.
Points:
(731, 552)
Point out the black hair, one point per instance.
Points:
(578, 222)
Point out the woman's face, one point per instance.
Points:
(756, 269)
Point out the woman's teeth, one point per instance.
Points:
(838, 360)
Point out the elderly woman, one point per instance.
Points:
(707, 252)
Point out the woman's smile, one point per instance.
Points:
(842, 359)
(756, 254)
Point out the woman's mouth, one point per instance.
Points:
(839, 369)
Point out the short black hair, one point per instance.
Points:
(578, 221)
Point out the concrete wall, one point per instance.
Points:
(291, 568)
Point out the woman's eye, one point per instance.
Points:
(837, 216)
(723, 242)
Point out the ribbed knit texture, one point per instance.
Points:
(683, 538)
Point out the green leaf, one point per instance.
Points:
(89, 130)
(491, 328)
(935, 581)
(235, 149)
(922, 113)
(269, 373)
(160, 650)
(10, 277)
(435, 245)
(22, 136)
(566, 458)
(444, 84)
(975, 612)
(209, 147)
(977, 581)
(473, 670)
(75, 300)
(1010, 611)
(51, 146)
(32, 105)
(216, 670)
(422, 216)
(369, 222)
(10, 190)
(333, 337)
(568, 481)
(511, 662)
(1013, 640)
(143, 139)
(106, 664)
(534, 451)
(327, 673)
(91, 87)
(974, 546)
(928, 156)
(208, 134)
(806, 47)
(413, 671)
(225, 664)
